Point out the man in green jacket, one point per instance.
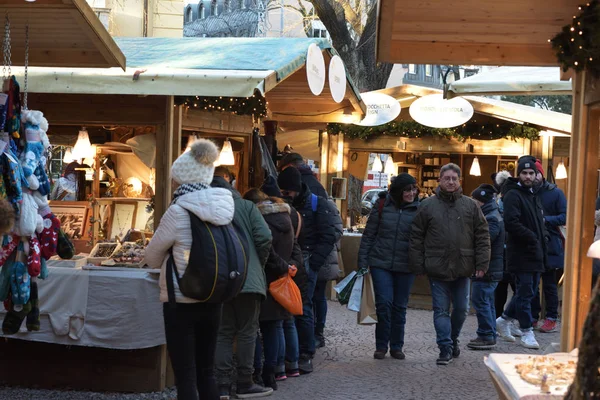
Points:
(239, 320)
(449, 242)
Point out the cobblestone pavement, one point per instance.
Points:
(345, 368)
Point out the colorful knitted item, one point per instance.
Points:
(42, 177)
(34, 262)
(5, 274)
(44, 270)
(13, 117)
(13, 176)
(9, 244)
(14, 319)
(20, 283)
(33, 318)
(48, 238)
(30, 160)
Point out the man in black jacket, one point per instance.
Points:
(525, 250)
(317, 238)
(307, 176)
(483, 289)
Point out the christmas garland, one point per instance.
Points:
(411, 129)
(577, 46)
(255, 105)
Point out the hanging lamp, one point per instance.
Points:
(561, 171)
(475, 168)
(390, 167)
(377, 165)
(83, 147)
(68, 157)
(226, 156)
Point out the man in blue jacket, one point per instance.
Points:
(483, 289)
(554, 203)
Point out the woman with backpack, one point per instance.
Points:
(190, 326)
(384, 251)
(277, 215)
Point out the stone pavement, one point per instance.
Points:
(345, 368)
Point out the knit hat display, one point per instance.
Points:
(196, 165)
(290, 179)
(526, 162)
(484, 193)
(539, 166)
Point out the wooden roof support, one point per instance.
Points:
(583, 179)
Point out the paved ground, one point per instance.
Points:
(345, 368)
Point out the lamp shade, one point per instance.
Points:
(377, 165)
(68, 157)
(83, 147)
(226, 156)
(390, 167)
(561, 171)
(91, 157)
(475, 168)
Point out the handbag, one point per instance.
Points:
(64, 248)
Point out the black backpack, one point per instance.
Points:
(217, 266)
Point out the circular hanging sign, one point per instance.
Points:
(337, 79)
(315, 69)
(435, 112)
(381, 109)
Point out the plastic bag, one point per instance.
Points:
(356, 294)
(285, 291)
(344, 288)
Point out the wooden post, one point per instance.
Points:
(580, 216)
(324, 167)
(164, 159)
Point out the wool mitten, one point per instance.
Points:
(44, 269)
(13, 111)
(33, 318)
(29, 217)
(20, 282)
(30, 160)
(42, 177)
(34, 262)
(9, 244)
(13, 176)
(14, 319)
(48, 238)
(5, 274)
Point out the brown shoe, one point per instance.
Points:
(397, 354)
(379, 354)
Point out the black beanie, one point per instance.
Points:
(270, 187)
(290, 179)
(526, 162)
(484, 193)
(399, 183)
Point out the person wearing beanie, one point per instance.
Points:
(317, 240)
(240, 317)
(190, 321)
(449, 242)
(384, 251)
(554, 204)
(306, 173)
(526, 246)
(483, 289)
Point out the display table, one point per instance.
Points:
(100, 330)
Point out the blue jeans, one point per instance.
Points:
(305, 323)
(550, 280)
(288, 346)
(320, 305)
(444, 293)
(391, 299)
(483, 302)
(520, 305)
(270, 334)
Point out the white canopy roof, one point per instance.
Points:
(513, 81)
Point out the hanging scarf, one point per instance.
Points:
(188, 188)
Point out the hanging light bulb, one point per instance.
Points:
(226, 156)
(68, 157)
(561, 171)
(390, 167)
(83, 147)
(475, 168)
(377, 165)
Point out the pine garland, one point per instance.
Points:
(411, 129)
(255, 105)
(577, 46)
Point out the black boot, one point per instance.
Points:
(319, 338)
(268, 377)
(257, 377)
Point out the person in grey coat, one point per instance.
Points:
(384, 250)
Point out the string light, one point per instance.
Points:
(254, 105)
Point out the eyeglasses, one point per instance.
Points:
(411, 189)
(450, 179)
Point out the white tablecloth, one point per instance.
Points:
(109, 309)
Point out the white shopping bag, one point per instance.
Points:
(356, 295)
(340, 286)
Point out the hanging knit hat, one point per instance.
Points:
(526, 162)
(484, 193)
(196, 165)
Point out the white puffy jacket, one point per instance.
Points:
(214, 205)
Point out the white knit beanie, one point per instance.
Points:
(196, 165)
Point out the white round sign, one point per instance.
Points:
(381, 109)
(337, 79)
(315, 69)
(435, 112)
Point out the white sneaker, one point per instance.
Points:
(528, 340)
(503, 328)
(515, 328)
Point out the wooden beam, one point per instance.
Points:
(164, 160)
(580, 212)
(324, 167)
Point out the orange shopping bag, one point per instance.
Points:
(285, 291)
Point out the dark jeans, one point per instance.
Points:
(239, 322)
(191, 332)
(520, 305)
(501, 295)
(444, 294)
(320, 305)
(482, 298)
(550, 280)
(305, 323)
(270, 343)
(391, 299)
(292, 350)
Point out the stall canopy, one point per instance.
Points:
(481, 32)
(513, 81)
(62, 33)
(233, 67)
